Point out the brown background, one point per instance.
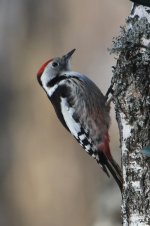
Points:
(46, 179)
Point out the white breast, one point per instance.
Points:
(67, 113)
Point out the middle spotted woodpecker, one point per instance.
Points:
(82, 109)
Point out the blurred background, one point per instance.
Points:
(46, 179)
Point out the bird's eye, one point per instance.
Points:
(55, 64)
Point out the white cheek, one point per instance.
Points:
(45, 79)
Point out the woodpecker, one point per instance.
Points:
(81, 108)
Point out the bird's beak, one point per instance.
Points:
(67, 57)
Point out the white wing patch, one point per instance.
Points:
(67, 112)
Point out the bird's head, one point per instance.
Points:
(54, 68)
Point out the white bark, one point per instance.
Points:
(131, 84)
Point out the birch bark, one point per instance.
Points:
(131, 85)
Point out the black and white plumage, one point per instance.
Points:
(82, 109)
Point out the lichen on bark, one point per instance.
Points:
(131, 85)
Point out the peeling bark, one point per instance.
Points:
(131, 85)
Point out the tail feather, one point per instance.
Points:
(115, 170)
(107, 161)
(111, 166)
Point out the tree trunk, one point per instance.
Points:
(131, 85)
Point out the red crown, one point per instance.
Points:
(42, 68)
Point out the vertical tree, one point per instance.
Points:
(131, 85)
